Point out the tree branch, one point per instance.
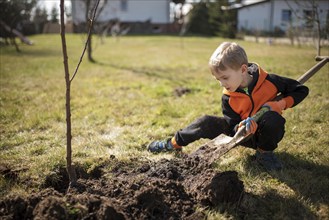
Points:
(87, 41)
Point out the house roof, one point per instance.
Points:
(244, 4)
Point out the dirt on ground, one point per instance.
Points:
(179, 188)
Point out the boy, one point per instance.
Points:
(247, 88)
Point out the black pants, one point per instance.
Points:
(269, 133)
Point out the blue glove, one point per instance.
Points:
(251, 125)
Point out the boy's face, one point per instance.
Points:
(231, 79)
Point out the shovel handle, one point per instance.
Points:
(260, 113)
(323, 60)
(314, 69)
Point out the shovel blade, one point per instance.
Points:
(220, 140)
(211, 146)
(218, 146)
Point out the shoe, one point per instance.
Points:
(160, 146)
(268, 160)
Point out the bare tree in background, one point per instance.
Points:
(311, 20)
(181, 17)
(70, 168)
(315, 18)
(89, 5)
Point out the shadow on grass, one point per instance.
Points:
(35, 52)
(308, 180)
(156, 72)
(272, 205)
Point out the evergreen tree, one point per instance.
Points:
(208, 18)
(215, 17)
(228, 23)
(54, 14)
(199, 20)
(14, 12)
(40, 18)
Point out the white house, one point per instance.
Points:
(268, 15)
(155, 12)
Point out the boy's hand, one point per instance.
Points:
(251, 126)
(277, 106)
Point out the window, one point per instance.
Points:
(308, 18)
(124, 5)
(308, 15)
(286, 16)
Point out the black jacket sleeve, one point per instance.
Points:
(289, 87)
(231, 117)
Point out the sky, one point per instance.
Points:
(49, 4)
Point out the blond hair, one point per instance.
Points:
(228, 55)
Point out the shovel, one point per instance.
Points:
(223, 143)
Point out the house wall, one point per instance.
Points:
(268, 15)
(254, 17)
(133, 11)
(297, 15)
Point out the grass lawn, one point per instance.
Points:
(127, 98)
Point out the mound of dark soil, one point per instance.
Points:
(167, 189)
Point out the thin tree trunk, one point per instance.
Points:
(318, 27)
(69, 166)
(89, 50)
(88, 23)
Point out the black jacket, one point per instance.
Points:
(239, 105)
